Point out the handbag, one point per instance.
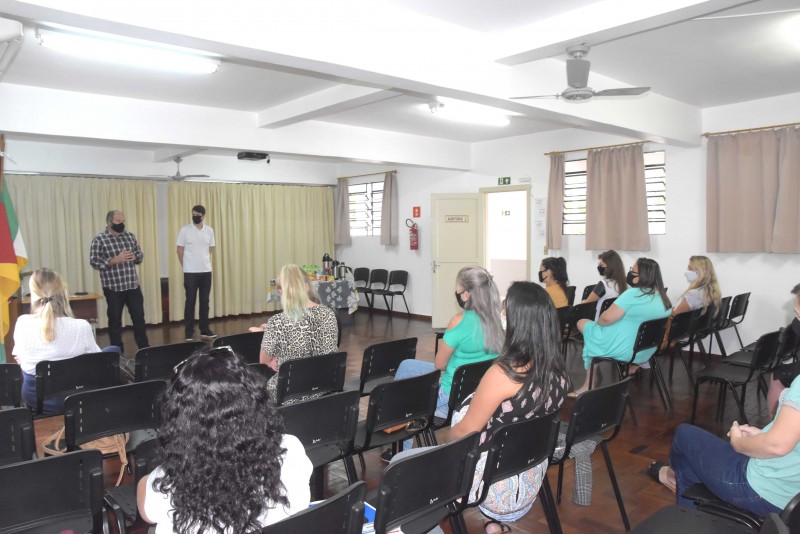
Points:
(116, 444)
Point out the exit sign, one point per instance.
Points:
(504, 181)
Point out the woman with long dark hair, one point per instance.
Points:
(553, 274)
(225, 464)
(614, 333)
(613, 283)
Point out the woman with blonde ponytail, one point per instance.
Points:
(49, 333)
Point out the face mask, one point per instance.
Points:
(601, 270)
(796, 328)
(460, 301)
(541, 276)
(629, 279)
(197, 218)
(691, 276)
(119, 228)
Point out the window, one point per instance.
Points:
(365, 208)
(655, 178)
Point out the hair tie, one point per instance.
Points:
(45, 300)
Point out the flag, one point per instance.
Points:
(13, 258)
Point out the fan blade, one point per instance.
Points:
(578, 73)
(195, 176)
(534, 96)
(623, 91)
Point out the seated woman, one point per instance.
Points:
(703, 290)
(304, 328)
(785, 373)
(758, 470)
(225, 463)
(49, 333)
(553, 274)
(614, 333)
(613, 283)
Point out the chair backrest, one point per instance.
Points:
(789, 344)
(317, 375)
(382, 359)
(738, 308)
(587, 291)
(262, 369)
(565, 319)
(417, 485)
(586, 310)
(398, 278)
(401, 401)
(95, 414)
(722, 313)
(10, 385)
(361, 276)
(773, 524)
(62, 377)
(465, 382)
(517, 447)
(650, 335)
(145, 459)
(17, 441)
(570, 292)
(55, 494)
(247, 344)
(681, 325)
(323, 421)
(597, 412)
(378, 276)
(765, 355)
(157, 363)
(341, 514)
(607, 304)
(704, 323)
(791, 514)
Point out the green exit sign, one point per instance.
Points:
(504, 181)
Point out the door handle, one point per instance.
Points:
(434, 265)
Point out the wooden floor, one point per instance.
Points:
(632, 451)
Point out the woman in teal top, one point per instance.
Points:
(614, 333)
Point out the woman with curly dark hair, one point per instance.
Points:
(225, 464)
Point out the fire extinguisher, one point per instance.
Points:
(413, 235)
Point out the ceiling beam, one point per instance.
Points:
(162, 155)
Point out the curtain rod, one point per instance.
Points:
(594, 148)
(368, 174)
(709, 134)
(153, 179)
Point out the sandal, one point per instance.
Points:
(503, 526)
(655, 469)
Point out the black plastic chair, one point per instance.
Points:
(417, 492)
(398, 403)
(247, 345)
(597, 415)
(720, 316)
(736, 315)
(57, 379)
(565, 322)
(327, 428)
(315, 375)
(396, 287)
(516, 448)
(341, 514)
(586, 310)
(607, 304)
(56, 494)
(361, 282)
(707, 502)
(122, 499)
(17, 440)
(587, 291)
(676, 518)
(380, 362)
(465, 381)
(765, 358)
(263, 369)
(378, 279)
(650, 335)
(158, 363)
(680, 330)
(570, 292)
(10, 385)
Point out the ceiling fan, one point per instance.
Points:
(178, 176)
(578, 80)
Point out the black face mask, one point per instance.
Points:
(601, 270)
(461, 302)
(541, 276)
(629, 279)
(796, 329)
(119, 228)
(197, 218)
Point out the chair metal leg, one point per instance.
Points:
(406, 303)
(662, 386)
(350, 469)
(622, 372)
(550, 510)
(318, 483)
(735, 329)
(686, 363)
(560, 480)
(694, 402)
(723, 391)
(721, 345)
(740, 401)
(615, 486)
(363, 465)
(457, 523)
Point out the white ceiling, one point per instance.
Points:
(700, 63)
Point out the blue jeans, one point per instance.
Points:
(411, 368)
(699, 456)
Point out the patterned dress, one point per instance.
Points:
(510, 499)
(316, 333)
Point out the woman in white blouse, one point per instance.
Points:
(48, 333)
(703, 290)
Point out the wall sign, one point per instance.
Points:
(456, 218)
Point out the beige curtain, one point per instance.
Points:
(258, 229)
(616, 200)
(555, 202)
(389, 211)
(341, 223)
(59, 216)
(753, 191)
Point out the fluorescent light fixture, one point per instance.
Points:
(133, 52)
(790, 28)
(460, 111)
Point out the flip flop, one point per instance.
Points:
(654, 470)
(503, 526)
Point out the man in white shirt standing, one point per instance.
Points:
(195, 243)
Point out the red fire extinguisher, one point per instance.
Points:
(413, 235)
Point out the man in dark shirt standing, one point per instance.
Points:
(115, 253)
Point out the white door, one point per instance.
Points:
(457, 233)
